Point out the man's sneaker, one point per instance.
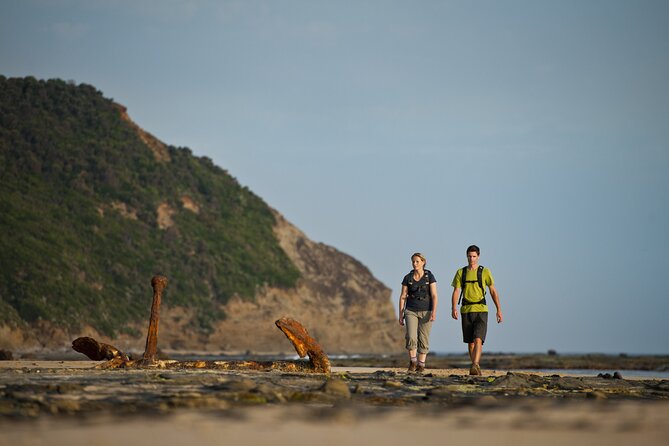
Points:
(420, 368)
(412, 367)
(475, 370)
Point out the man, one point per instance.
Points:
(474, 309)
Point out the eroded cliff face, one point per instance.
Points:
(337, 299)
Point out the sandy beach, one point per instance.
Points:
(626, 424)
(72, 403)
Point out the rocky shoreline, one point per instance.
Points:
(29, 391)
(57, 396)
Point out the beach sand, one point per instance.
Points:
(68, 403)
(626, 425)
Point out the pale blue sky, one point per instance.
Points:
(538, 130)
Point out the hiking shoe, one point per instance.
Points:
(420, 368)
(475, 370)
(412, 367)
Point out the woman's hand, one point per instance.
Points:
(401, 320)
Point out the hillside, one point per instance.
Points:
(92, 206)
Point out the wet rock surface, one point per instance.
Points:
(30, 393)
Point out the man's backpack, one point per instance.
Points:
(463, 282)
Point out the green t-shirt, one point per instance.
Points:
(473, 291)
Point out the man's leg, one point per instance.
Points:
(468, 334)
(475, 349)
(480, 323)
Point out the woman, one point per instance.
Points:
(418, 308)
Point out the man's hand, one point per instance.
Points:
(499, 317)
(454, 313)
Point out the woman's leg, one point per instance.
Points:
(424, 327)
(411, 324)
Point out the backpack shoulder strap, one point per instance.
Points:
(463, 276)
(479, 278)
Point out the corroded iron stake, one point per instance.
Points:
(159, 283)
(304, 344)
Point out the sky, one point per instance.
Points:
(537, 130)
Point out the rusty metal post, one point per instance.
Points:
(304, 344)
(159, 283)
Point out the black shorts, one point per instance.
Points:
(474, 325)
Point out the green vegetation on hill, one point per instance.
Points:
(80, 241)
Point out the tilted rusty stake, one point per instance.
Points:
(304, 344)
(159, 283)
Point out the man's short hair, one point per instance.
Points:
(474, 248)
